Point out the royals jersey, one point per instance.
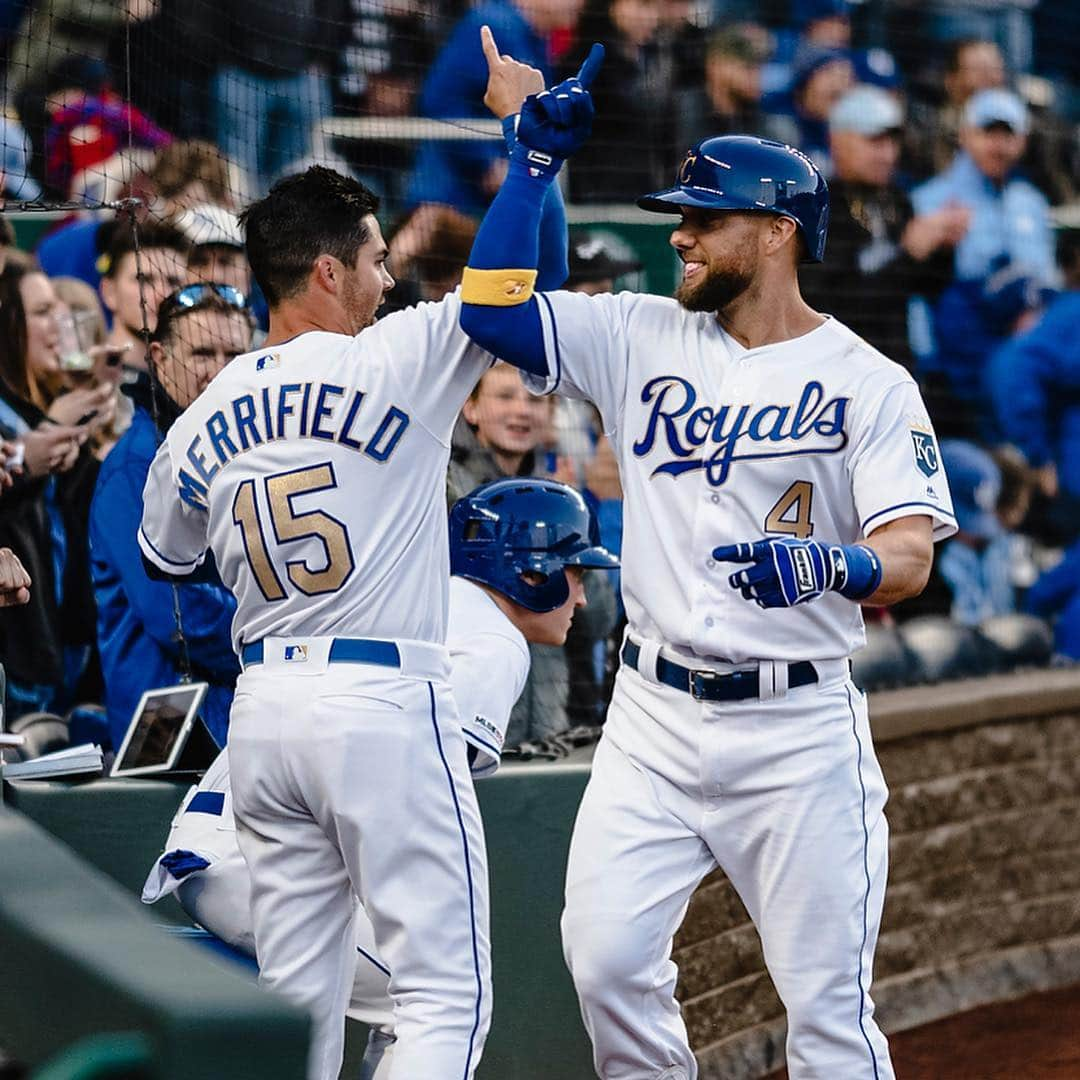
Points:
(315, 472)
(820, 436)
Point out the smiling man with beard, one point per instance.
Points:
(758, 436)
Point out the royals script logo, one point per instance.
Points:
(714, 438)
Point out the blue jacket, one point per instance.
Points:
(452, 172)
(1057, 594)
(136, 624)
(1034, 383)
(1013, 220)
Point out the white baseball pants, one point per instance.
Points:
(351, 780)
(787, 797)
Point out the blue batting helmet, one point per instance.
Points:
(741, 172)
(507, 528)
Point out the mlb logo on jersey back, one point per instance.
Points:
(268, 362)
(926, 453)
(296, 653)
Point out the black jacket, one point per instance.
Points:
(867, 279)
(33, 636)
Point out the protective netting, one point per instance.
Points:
(135, 131)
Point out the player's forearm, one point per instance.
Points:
(499, 311)
(905, 548)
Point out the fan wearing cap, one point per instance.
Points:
(880, 253)
(200, 328)
(1009, 215)
(217, 246)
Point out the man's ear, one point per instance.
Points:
(781, 231)
(326, 273)
(108, 293)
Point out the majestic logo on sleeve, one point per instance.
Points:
(714, 438)
(926, 453)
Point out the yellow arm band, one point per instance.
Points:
(497, 288)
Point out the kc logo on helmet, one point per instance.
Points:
(926, 452)
(687, 168)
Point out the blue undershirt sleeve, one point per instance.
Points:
(509, 238)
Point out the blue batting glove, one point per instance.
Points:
(786, 572)
(555, 123)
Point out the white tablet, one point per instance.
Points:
(159, 730)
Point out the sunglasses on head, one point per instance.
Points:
(192, 295)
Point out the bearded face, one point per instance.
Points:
(720, 255)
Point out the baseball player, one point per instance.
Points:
(313, 472)
(778, 472)
(514, 582)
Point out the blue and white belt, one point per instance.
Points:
(342, 651)
(704, 685)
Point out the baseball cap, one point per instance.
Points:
(751, 44)
(592, 259)
(805, 12)
(975, 484)
(811, 59)
(989, 107)
(209, 224)
(868, 111)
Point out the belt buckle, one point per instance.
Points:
(701, 679)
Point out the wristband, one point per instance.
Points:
(497, 288)
(858, 571)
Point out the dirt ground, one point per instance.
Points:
(1033, 1038)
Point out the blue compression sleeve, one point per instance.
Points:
(553, 267)
(509, 237)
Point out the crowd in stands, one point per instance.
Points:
(948, 132)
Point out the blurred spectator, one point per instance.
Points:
(216, 251)
(54, 31)
(800, 118)
(933, 135)
(729, 102)
(1056, 596)
(272, 84)
(879, 253)
(7, 240)
(133, 284)
(594, 266)
(15, 179)
(1034, 383)
(1009, 216)
(631, 147)
(972, 319)
(465, 174)
(46, 645)
(977, 563)
(137, 627)
(193, 173)
(502, 432)
(87, 122)
(428, 253)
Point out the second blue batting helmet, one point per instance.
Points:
(741, 172)
(509, 528)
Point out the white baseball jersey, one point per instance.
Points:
(820, 436)
(315, 470)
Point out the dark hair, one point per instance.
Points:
(7, 232)
(152, 234)
(13, 328)
(318, 212)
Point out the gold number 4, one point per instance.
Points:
(289, 526)
(791, 514)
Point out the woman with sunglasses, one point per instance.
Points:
(200, 328)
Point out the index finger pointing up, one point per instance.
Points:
(591, 66)
(491, 50)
